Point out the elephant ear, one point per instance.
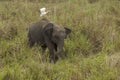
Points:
(67, 30)
(48, 29)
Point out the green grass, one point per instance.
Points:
(92, 49)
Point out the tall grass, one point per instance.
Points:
(92, 49)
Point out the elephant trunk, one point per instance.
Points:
(59, 50)
(60, 47)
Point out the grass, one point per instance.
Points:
(92, 49)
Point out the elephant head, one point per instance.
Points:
(54, 37)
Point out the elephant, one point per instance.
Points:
(48, 35)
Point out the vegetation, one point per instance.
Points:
(92, 49)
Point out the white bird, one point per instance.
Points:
(43, 11)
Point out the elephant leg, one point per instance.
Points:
(55, 47)
(55, 56)
(50, 46)
(51, 50)
(43, 48)
(31, 43)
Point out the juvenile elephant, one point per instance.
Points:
(48, 35)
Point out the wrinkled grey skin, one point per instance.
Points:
(48, 35)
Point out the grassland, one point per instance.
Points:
(92, 49)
